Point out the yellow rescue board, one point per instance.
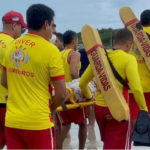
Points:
(76, 105)
(140, 37)
(103, 74)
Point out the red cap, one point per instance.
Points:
(14, 17)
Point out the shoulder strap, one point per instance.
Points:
(116, 74)
(148, 35)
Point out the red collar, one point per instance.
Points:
(33, 33)
(6, 33)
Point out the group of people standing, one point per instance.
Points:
(31, 66)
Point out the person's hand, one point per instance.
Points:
(53, 108)
(53, 113)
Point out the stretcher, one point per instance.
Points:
(77, 100)
(75, 105)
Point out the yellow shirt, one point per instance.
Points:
(5, 41)
(65, 54)
(126, 66)
(142, 68)
(31, 63)
(147, 29)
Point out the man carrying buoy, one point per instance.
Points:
(143, 71)
(72, 65)
(114, 134)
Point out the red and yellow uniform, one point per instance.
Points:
(5, 41)
(126, 66)
(31, 63)
(147, 29)
(76, 115)
(145, 80)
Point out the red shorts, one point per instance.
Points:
(114, 134)
(76, 116)
(29, 139)
(2, 126)
(54, 137)
(134, 109)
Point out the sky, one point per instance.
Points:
(73, 14)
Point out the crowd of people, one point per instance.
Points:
(43, 60)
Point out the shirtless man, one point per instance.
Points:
(72, 65)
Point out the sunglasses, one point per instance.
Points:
(23, 30)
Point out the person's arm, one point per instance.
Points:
(57, 76)
(84, 81)
(74, 60)
(135, 84)
(61, 94)
(4, 78)
(4, 72)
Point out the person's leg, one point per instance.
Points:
(58, 138)
(91, 117)
(114, 134)
(63, 126)
(91, 135)
(2, 141)
(79, 116)
(117, 134)
(64, 130)
(90, 127)
(2, 127)
(68, 135)
(82, 134)
(99, 116)
(14, 139)
(61, 132)
(39, 139)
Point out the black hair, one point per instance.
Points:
(68, 36)
(123, 35)
(37, 14)
(145, 17)
(59, 36)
